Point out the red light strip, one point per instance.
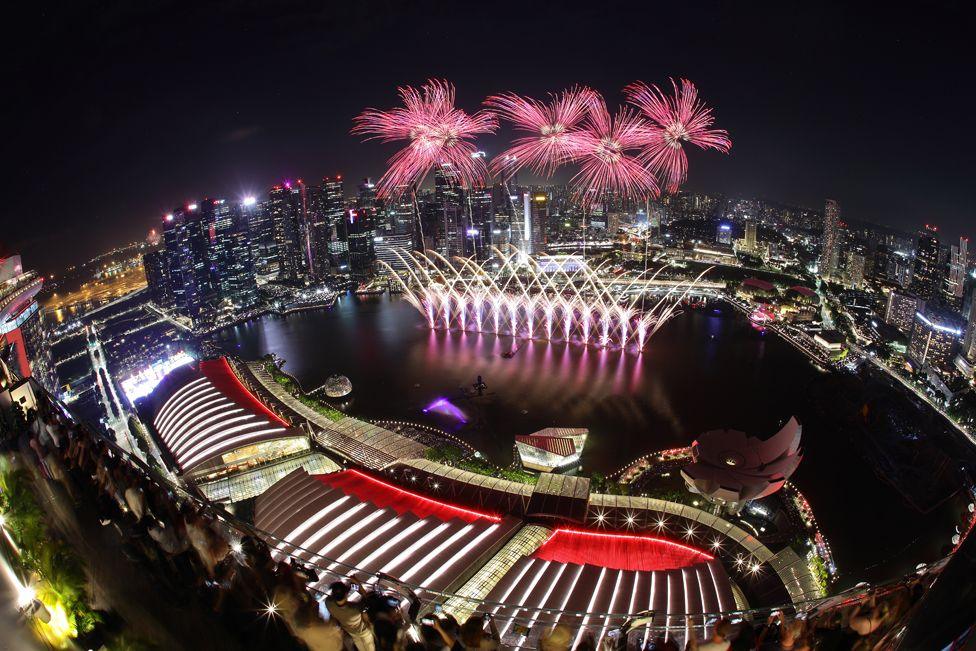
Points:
(256, 401)
(493, 518)
(620, 536)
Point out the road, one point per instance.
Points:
(106, 393)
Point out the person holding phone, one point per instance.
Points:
(349, 616)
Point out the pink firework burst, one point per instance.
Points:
(437, 134)
(678, 118)
(554, 126)
(608, 155)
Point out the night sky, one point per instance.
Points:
(117, 111)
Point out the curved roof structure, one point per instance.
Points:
(354, 524)
(364, 523)
(732, 467)
(212, 414)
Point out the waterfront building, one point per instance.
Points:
(24, 344)
(927, 272)
(830, 239)
(392, 249)
(551, 449)
(935, 338)
(901, 309)
(731, 468)
(361, 231)
(231, 253)
(191, 276)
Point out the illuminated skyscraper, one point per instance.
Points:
(191, 277)
(326, 204)
(23, 337)
(935, 338)
(287, 209)
(230, 246)
(448, 199)
(829, 241)
(955, 283)
(901, 310)
(927, 272)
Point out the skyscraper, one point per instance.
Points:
(927, 272)
(829, 241)
(191, 273)
(955, 283)
(969, 342)
(287, 209)
(935, 338)
(901, 310)
(448, 200)
(326, 204)
(361, 228)
(230, 246)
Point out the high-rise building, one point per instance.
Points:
(156, 268)
(192, 283)
(955, 283)
(367, 194)
(325, 220)
(449, 214)
(927, 273)
(392, 249)
(361, 228)
(264, 248)
(969, 342)
(231, 252)
(287, 209)
(935, 338)
(901, 309)
(482, 222)
(830, 239)
(855, 266)
(537, 222)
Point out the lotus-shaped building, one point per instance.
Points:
(731, 468)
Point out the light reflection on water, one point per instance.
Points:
(701, 371)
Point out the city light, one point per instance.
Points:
(542, 298)
(249, 201)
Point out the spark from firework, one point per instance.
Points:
(537, 298)
(676, 119)
(608, 155)
(554, 126)
(437, 134)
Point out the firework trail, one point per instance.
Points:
(554, 126)
(608, 155)
(437, 133)
(675, 119)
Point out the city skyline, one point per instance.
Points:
(809, 124)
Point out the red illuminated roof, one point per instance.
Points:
(560, 445)
(760, 284)
(220, 374)
(618, 551)
(367, 488)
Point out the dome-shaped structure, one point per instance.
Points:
(731, 468)
(338, 386)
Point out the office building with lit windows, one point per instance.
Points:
(928, 270)
(935, 338)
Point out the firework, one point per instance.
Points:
(608, 155)
(555, 299)
(554, 126)
(437, 134)
(676, 119)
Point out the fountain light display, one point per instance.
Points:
(550, 298)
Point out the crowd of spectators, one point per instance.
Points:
(189, 545)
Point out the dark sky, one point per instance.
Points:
(114, 112)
